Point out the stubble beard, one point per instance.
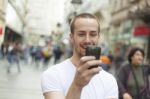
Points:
(79, 52)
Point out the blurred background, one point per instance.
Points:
(34, 36)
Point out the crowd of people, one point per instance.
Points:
(17, 52)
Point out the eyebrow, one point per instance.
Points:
(93, 31)
(90, 31)
(81, 31)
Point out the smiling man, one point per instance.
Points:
(72, 78)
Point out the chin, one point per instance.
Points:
(81, 54)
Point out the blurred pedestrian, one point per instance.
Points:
(57, 53)
(133, 77)
(13, 56)
(47, 54)
(106, 61)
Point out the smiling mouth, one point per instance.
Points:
(84, 49)
(85, 46)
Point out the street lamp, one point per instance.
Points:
(75, 4)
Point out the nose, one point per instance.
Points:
(87, 39)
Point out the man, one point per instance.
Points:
(72, 79)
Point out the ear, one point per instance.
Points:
(99, 38)
(99, 35)
(71, 37)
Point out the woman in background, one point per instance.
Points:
(133, 77)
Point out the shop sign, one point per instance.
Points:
(141, 31)
(1, 31)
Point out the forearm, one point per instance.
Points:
(74, 92)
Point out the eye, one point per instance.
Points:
(93, 33)
(81, 34)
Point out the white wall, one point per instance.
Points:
(12, 19)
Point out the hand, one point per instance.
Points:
(127, 96)
(83, 73)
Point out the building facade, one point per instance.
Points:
(128, 18)
(3, 4)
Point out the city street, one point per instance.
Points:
(24, 85)
(37, 34)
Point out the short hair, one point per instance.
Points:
(133, 51)
(83, 15)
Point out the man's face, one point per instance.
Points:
(85, 33)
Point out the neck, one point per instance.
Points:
(75, 60)
(136, 65)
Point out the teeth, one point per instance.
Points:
(91, 45)
(85, 47)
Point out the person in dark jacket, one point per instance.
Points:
(133, 77)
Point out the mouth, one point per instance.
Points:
(85, 46)
(83, 49)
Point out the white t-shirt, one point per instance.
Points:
(59, 78)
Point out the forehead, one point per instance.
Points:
(137, 52)
(86, 22)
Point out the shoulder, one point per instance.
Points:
(106, 76)
(55, 69)
(51, 79)
(146, 66)
(147, 69)
(125, 68)
(109, 84)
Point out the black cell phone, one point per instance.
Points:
(93, 50)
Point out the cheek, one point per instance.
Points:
(95, 39)
(76, 40)
(133, 59)
(75, 43)
(136, 60)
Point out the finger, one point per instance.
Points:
(86, 58)
(91, 64)
(94, 71)
(88, 64)
(83, 60)
(88, 74)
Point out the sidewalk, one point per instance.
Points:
(24, 85)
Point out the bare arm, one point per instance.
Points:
(54, 95)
